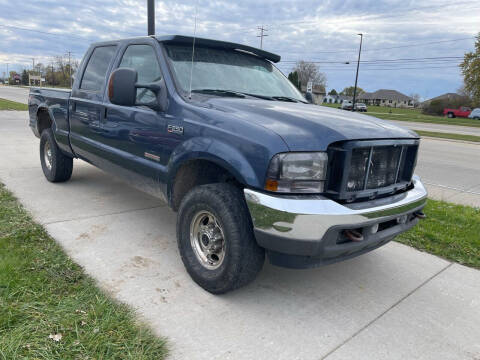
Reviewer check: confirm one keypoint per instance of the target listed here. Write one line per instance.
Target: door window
(143, 59)
(96, 70)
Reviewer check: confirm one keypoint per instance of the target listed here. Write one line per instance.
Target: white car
(360, 107)
(346, 105)
(475, 114)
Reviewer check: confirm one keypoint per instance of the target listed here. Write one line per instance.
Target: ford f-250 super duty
(233, 147)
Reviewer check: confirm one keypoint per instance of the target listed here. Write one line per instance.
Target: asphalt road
(395, 302)
(13, 93)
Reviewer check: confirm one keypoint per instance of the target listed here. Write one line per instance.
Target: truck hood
(306, 127)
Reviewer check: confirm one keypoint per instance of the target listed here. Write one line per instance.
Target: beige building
(384, 97)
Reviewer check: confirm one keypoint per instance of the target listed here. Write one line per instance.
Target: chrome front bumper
(310, 225)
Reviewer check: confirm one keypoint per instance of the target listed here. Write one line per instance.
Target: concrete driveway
(395, 303)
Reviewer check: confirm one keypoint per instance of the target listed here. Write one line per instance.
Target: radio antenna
(193, 49)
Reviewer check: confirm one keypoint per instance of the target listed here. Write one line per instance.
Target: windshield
(233, 70)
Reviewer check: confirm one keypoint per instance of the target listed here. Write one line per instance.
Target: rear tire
(450, 115)
(215, 238)
(56, 166)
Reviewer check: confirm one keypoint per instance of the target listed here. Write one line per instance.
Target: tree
(293, 77)
(471, 72)
(333, 92)
(308, 71)
(435, 107)
(24, 77)
(63, 70)
(348, 91)
(416, 99)
(10, 79)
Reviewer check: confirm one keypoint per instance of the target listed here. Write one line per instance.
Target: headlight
(297, 172)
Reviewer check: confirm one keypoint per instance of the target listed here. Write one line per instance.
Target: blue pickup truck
(230, 144)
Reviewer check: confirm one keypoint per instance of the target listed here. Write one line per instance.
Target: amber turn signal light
(271, 185)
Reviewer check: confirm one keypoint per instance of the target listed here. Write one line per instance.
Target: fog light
(402, 219)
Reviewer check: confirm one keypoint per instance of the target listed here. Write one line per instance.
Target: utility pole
(53, 76)
(356, 76)
(8, 75)
(33, 66)
(151, 17)
(70, 66)
(262, 35)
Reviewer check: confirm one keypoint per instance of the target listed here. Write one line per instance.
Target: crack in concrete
(394, 305)
(100, 215)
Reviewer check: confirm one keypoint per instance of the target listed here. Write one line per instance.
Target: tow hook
(420, 215)
(353, 235)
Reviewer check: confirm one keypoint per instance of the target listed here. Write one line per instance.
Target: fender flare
(202, 148)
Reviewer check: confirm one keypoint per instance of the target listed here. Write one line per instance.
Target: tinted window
(96, 70)
(143, 59)
(222, 69)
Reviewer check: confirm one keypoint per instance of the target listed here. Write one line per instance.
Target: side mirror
(122, 89)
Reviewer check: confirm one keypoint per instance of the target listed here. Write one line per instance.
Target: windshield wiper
(287, 98)
(265, 97)
(233, 93)
(219, 92)
(239, 94)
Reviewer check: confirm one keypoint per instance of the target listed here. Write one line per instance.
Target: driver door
(137, 135)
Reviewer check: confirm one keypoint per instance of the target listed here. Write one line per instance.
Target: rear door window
(96, 70)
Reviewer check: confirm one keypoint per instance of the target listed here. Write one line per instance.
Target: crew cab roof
(181, 39)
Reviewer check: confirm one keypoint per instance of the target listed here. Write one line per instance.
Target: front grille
(370, 169)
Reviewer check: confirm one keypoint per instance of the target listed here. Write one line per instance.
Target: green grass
(43, 293)
(12, 105)
(448, 135)
(450, 231)
(413, 115)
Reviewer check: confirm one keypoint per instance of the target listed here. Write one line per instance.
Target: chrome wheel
(47, 153)
(207, 240)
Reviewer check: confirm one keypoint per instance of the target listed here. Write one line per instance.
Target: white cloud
(297, 29)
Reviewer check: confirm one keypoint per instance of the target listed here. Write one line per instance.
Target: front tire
(216, 240)
(450, 115)
(56, 166)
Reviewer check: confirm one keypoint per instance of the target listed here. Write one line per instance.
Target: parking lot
(367, 307)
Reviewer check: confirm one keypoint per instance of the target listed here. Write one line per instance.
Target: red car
(462, 111)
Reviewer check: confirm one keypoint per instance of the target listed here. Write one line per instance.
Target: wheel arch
(44, 119)
(190, 167)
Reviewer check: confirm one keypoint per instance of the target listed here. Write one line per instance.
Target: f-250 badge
(174, 129)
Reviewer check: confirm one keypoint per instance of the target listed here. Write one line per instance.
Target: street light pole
(356, 76)
(151, 17)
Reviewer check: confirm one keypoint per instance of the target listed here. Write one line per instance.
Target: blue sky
(321, 31)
